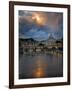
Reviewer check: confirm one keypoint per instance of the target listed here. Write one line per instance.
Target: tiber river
(41, 66)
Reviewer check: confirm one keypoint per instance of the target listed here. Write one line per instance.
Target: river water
(40, 66)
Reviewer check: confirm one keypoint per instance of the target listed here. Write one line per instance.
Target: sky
(39, 25)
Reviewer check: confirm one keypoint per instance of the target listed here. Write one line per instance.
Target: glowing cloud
(38, 18)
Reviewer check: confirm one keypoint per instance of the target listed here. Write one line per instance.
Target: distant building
(51, 40)
(32, 46)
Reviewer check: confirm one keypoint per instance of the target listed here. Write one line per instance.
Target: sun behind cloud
(38, 18)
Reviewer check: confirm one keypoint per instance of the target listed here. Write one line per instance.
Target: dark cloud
(29, 28)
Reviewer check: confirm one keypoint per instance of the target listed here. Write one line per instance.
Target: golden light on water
(39, 72)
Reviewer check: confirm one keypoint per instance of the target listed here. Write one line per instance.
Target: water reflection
(39, 72)
(41, 66)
